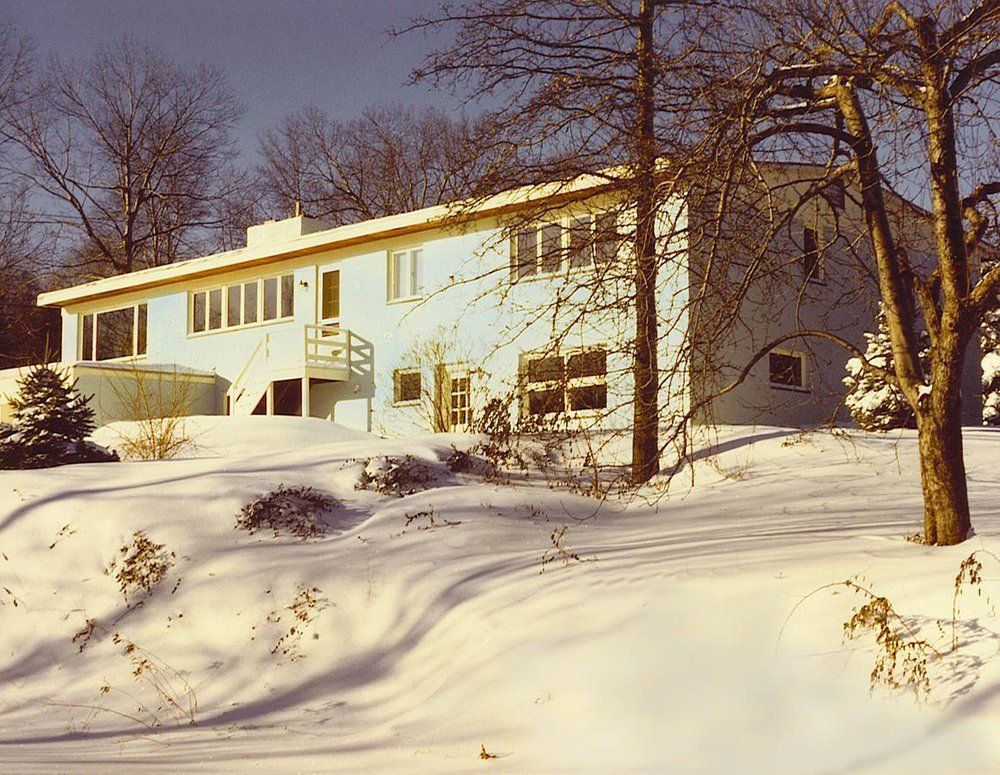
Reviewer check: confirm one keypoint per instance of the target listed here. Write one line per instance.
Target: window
(461, 407)
(574, 382)
(835, 194)
(330, 298)
(812, 257)
(272, 298)
(405, 274)
(786, 370)
(117, 333)
(405, 386)
(577, 243)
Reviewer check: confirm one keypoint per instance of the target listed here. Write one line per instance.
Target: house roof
(328, 239)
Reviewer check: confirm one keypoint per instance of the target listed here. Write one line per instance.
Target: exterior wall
(470, 308)
(781, 300)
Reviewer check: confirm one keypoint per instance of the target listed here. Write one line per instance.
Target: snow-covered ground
(679, 641)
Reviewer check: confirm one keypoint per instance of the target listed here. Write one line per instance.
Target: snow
(682, 639)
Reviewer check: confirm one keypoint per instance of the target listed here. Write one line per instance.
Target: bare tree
(897, 96)
(580, 88)
(130, 151)
(392, 159)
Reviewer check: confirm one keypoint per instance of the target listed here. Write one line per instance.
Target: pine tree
(876, 405)
(51, 421)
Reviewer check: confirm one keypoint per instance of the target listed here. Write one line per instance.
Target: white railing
(328, 347)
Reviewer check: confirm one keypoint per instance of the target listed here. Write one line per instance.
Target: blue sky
(278, 54)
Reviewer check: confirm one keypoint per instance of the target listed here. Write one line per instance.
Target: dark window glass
(587, 397)
(835, 195)
(233, 293)
(250, 302)
(270, 298)
(551, 258)
(606, 238)
(545, 401)
(407, 386)
(198, 312)
(545, 369)
(114, 333)
(581, 246)
(810, 254)
(141, 315)
(287, 295)
(785, 369)
(87, 343)
(215, 309)
(525, 252)
(592, 363)
(331, 295)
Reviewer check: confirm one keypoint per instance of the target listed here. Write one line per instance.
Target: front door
(329, 297)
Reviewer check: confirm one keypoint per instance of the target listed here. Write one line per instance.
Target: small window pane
(198, 312)
(785, 369)
(592, 363)
(270, 298)
(551, 259)
(545, 369)
(398, 274)
(287, 295)
(114, 333)
(250, 302)
(233, 305)
(810, 254)
(87, 343)
(141, 315)
(416, 282)
(606, 238)
(545, 401)
(215, 309)
(588, 397)
(526, 248)
(581, 247)
(407, 386)
(331, 295)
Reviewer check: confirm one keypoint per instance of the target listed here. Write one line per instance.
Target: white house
(362, 323)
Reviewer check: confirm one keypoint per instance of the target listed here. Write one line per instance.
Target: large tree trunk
(942, 476)
(645, 371)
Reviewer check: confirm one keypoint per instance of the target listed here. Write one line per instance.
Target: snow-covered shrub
(991, 388)
(297, 511)
(394, 476)
(142, 565)
(51, 423)
(875, 405)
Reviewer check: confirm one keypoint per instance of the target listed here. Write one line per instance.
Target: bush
(876, 405)
(297, 511)
(51, 423)
(394, 476)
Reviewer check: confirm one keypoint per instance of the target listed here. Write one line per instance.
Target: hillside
(666, 636)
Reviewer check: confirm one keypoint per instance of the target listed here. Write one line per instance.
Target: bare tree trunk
(942, 477)
(645, 432)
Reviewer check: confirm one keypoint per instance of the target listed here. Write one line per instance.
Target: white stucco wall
(480, 318)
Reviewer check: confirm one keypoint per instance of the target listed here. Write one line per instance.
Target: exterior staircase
(323, 353)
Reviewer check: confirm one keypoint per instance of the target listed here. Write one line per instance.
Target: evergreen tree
(51, 421)
(875, 404)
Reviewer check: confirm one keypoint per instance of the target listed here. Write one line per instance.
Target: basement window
(786, 370)
(406, 386)
(574, 381)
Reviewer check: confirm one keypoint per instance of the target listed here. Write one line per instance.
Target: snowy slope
(422, 645)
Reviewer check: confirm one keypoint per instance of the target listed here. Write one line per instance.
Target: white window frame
(565, 224)
(414, 271)
(92, 355)
(395, 387)
(224, 290)
(803, 365)
(566, 384)
(457, 373)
